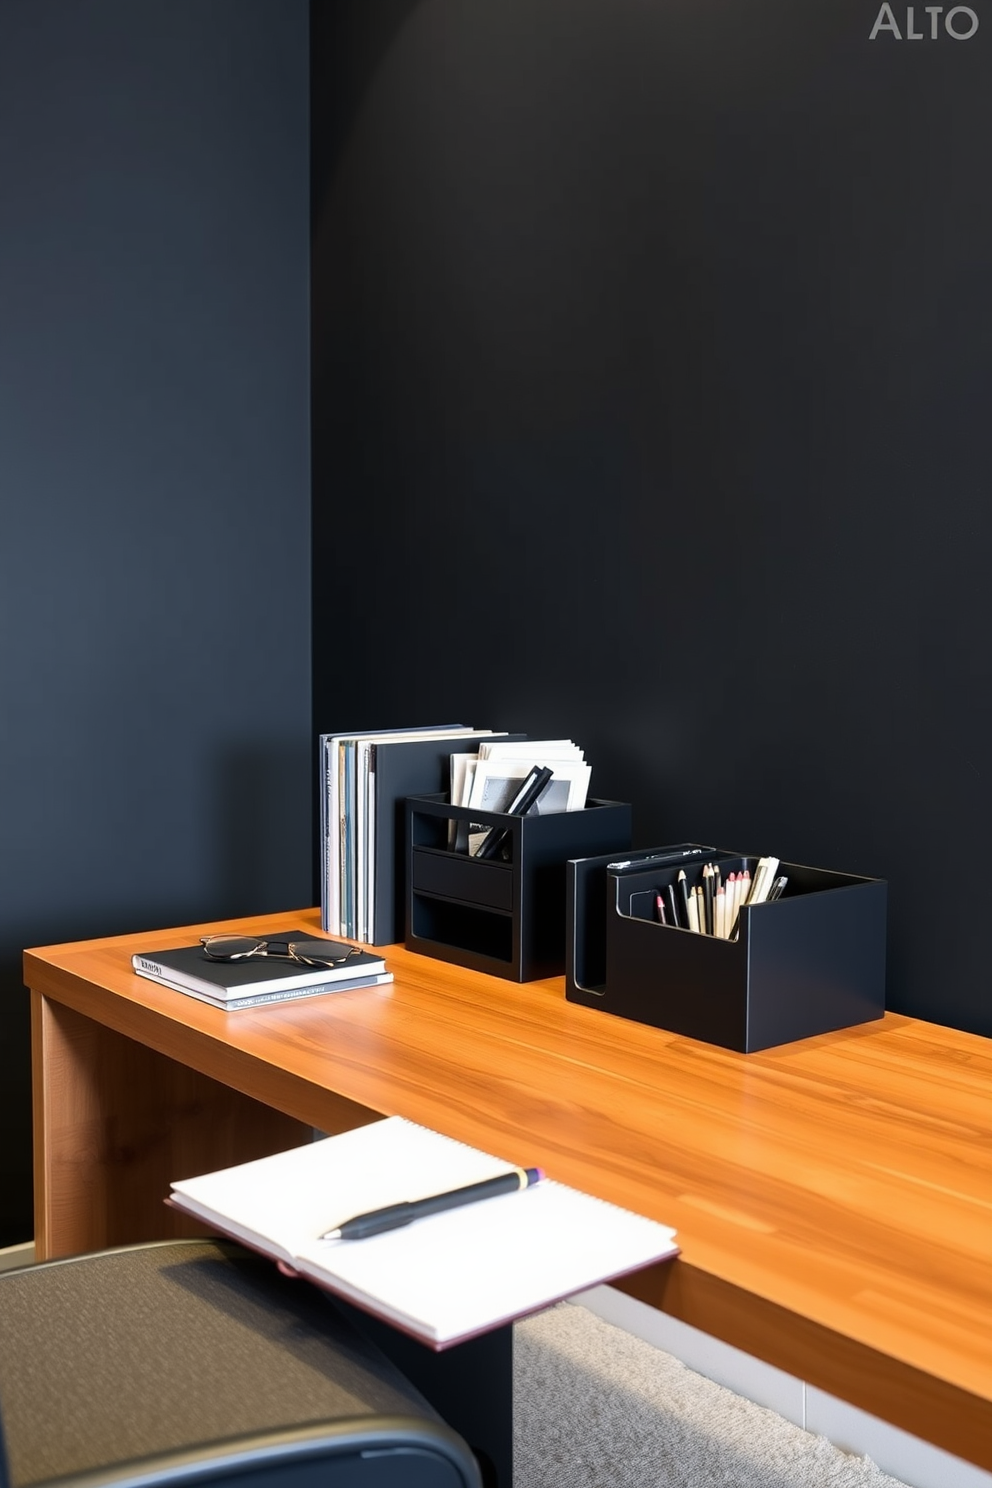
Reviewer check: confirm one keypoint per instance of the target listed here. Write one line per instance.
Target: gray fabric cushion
(123, 1354)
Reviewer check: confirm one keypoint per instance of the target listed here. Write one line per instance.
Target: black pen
(529, 793)
(665, 857)
(531, 790)
(394, 1216)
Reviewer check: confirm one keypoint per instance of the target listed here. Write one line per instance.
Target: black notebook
(188, 968)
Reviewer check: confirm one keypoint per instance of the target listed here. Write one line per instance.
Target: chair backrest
(196, 1362)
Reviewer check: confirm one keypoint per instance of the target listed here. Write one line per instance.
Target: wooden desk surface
(833, 1197)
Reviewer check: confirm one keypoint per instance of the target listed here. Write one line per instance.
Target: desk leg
(469, 1385)
(115, 1123)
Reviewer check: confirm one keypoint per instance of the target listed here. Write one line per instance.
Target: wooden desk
(833, 1197)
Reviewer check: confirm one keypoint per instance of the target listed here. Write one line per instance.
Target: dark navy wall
(154, 481)
(652, 342)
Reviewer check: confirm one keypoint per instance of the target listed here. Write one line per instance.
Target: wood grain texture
(833, 1197)
(116, 1122)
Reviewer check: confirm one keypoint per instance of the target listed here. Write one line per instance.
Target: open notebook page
(442, 1278)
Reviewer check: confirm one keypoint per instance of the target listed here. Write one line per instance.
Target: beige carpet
(595, 1407)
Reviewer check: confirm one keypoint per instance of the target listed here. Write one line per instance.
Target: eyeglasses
(306, 952)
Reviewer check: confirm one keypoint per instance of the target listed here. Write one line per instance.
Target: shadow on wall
(232, 835)
(264, 829)
(342, 69)
(250, 853)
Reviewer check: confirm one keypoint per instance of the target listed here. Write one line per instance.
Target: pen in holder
(495, 844)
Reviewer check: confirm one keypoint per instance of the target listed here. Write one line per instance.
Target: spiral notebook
(446, 1277)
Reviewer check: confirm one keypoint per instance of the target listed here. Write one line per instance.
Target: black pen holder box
(503, 915)
(807, 963)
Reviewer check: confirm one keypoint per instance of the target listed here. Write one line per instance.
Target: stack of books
(365, 778)
(256, 980)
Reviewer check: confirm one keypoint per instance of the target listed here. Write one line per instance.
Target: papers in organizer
(492, 779)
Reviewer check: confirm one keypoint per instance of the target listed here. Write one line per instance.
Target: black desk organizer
(807, 963)
(505, 918)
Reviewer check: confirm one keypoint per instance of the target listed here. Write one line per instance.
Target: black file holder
(503, 917)
(810, 962)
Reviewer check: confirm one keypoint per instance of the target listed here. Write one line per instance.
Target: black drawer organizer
(804, 964)
(503, 917)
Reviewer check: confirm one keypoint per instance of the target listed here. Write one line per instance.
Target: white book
(291, 994)
(462, 767)
(368, 933)
(443, 1278)
(462, 773)
(362, 854)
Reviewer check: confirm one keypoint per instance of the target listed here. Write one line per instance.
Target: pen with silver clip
(394, 1216)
